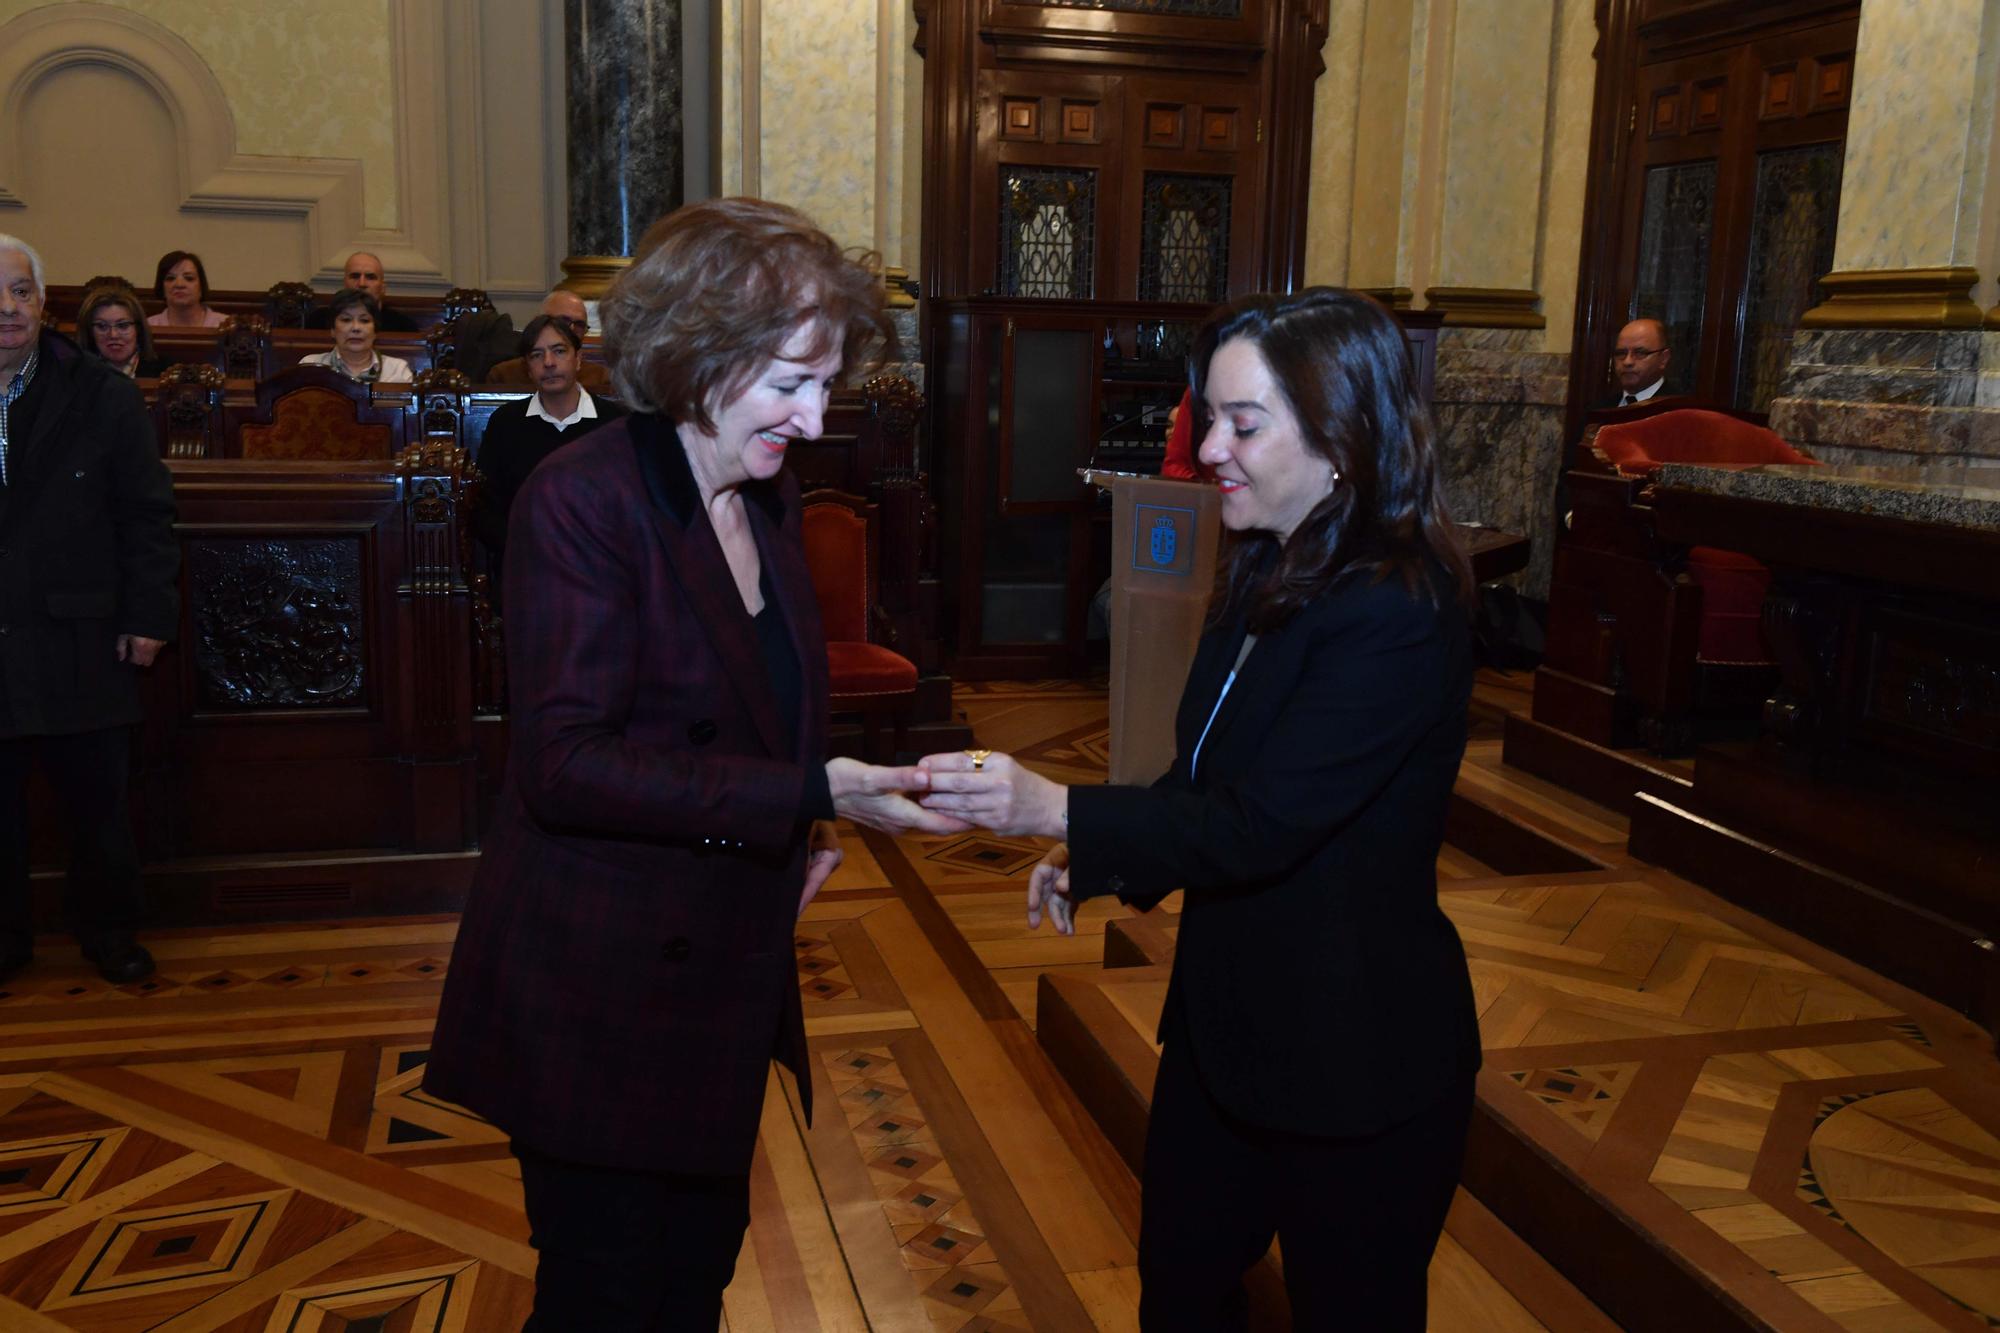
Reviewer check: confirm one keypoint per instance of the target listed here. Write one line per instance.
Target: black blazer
(1322, 989)
(87, 548)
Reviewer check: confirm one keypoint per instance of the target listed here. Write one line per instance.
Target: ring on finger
(978, 758)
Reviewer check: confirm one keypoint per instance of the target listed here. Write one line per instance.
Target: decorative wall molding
(325, 193)
(444, 234)
(1902, 298)
(1487, 307)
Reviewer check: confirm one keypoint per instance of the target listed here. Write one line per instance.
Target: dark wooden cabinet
(1089, 168)
(1028, 393)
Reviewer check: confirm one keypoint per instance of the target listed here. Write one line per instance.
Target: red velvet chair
(864, 676)
(1667, 631)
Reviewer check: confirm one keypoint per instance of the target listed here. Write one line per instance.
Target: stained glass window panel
(1791, 249)
(1675, 227)
(1184, 238)
(1048, 232)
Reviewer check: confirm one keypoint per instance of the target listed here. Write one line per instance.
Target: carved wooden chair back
(312, 412)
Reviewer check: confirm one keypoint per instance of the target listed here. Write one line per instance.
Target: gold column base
(893, 278)
(1897, 298)
(589, 276)
(1487, 307)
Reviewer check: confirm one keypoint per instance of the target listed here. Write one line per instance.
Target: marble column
(1893, 367)
(623, 59)
(1474, 228)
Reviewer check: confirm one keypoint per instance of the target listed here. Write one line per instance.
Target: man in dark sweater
(523, 433)
(88, 575)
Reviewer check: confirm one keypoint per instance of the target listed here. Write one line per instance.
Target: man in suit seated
(364, 274)
(571, 310)
(1639, 362)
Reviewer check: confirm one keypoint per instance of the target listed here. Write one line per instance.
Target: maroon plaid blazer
(624, 970)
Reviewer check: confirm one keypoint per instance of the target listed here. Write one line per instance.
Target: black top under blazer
(1321, 987)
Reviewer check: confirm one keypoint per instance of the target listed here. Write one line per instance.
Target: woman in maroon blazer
(624, 972)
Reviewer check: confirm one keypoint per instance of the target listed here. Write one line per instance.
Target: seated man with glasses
(1639, 362)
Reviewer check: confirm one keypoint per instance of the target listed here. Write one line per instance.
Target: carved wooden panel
(1165, 126)
(1781, 92)
(278, 621)
(315, 423)
(1079, 122)
(1707, 113)
(1665, 116)
(1021, 118)
(1832, 81)
(1218, 128)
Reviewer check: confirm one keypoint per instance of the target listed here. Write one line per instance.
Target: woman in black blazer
(1319, 1032)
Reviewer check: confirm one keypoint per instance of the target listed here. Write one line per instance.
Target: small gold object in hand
(978, 758)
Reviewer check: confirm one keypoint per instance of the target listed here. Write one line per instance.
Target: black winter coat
(87, 549)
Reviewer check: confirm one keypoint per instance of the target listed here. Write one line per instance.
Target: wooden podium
(1164, 535)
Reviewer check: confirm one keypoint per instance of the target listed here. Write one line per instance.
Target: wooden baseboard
(1612, 778)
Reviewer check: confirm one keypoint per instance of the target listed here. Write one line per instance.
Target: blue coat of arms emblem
(1166, 540)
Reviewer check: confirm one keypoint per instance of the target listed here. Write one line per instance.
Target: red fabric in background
(1180, 461)
(1732, 585)
(1691, 435)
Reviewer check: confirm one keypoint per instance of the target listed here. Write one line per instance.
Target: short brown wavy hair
(718, 289)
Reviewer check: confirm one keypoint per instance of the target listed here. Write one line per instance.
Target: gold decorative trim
(589, 276)
(1487, 307)
(1897, 298)
(1396, 298)
(896, 282)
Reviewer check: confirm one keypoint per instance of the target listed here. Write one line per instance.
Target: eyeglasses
(121, 326)
(1635, 353)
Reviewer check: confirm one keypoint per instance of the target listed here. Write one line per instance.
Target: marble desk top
(1959, 497)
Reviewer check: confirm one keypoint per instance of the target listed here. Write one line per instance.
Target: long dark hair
(1339, 359)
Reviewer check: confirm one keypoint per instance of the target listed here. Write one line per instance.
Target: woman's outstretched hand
(878, 797)
(1048, 891)
(992, 790)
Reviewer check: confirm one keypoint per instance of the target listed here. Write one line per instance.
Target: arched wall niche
(464, 75)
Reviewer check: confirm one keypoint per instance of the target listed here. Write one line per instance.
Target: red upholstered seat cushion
(867, 668)
(1690, 435)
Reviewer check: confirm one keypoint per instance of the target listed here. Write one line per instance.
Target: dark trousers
(88, 771)
(630, 1251)
(1356, 1219)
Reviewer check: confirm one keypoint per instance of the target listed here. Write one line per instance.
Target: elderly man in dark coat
(88, 569)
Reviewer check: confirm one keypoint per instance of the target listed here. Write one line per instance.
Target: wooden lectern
(1164, 535)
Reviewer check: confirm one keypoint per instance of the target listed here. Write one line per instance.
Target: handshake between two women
(964, 789)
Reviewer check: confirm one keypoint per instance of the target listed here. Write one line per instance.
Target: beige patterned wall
(303, 77)
(1450, 144)
(1921, 139)
(821, 106)
(276, 136)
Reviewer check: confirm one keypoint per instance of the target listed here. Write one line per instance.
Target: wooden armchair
(1644, 635)
(309, 412)
(864, 676)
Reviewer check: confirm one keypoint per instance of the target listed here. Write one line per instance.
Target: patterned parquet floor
(242, 1143)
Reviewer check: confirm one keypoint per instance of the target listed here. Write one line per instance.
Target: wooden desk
(1867, 813)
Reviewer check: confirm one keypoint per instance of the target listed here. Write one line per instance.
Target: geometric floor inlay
(940, 1241)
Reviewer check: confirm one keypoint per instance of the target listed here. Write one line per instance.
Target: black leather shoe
(120, 959)
(16, 952)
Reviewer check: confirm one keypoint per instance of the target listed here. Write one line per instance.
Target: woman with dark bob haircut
(624, 973)
(1319, 1030)
(112, 323)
